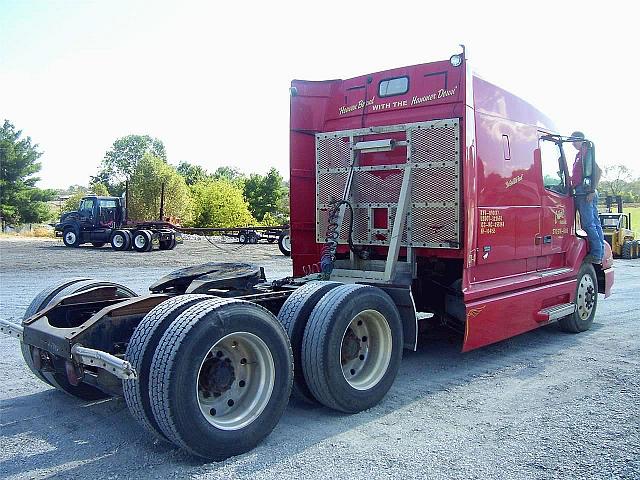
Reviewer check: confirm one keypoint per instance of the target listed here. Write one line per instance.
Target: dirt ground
(542, 405)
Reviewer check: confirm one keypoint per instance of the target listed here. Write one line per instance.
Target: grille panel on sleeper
(431, 149)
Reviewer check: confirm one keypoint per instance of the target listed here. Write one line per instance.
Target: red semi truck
(416, 193)
(487, 221)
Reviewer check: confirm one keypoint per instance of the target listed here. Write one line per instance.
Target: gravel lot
(542, 405)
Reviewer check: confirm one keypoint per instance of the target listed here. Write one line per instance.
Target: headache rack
(398, 200)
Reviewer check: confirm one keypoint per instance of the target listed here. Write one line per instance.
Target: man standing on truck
(586, 199)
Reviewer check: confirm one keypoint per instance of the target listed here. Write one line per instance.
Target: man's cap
(577, 134)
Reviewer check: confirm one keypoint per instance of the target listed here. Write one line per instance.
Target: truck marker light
(456, 60)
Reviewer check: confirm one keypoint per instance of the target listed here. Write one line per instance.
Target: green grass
(635, 219)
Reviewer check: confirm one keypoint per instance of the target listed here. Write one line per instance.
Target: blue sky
(211, 79)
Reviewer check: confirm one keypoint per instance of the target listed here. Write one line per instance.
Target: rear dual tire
(121, 240)
(168, 244)
(352, 347)
(284, 243)
(347, 343)
(140, 351)
(294, 315)
(50, 296)
(248, 237)
(215, 374)
(39, 303)
(142, 240)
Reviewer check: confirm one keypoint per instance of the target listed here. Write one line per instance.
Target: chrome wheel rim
(70, 237)
(118, 241)
(365, 351)
(235, 381)
(286, 243)
(140, 241)
(242, 238)
(586, 297)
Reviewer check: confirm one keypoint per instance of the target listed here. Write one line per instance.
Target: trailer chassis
(87, 332)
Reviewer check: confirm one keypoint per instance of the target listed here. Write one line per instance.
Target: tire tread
(313, 365)
(291, 316)
(136, 392)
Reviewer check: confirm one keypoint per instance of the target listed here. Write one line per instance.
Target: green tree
(71, 189)
(78, 192)
(121, 160)
(99, 189)
(20, 200)
(284, 210)
(192, 173)
(615, 179)
(264, 193)
(229, 173)
(71, 204)
(218, 204)
(270, 220)
(145, 190)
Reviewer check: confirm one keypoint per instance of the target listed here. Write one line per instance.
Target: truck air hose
(328, 254)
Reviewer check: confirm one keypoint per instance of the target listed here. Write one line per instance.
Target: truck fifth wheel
(423, 192)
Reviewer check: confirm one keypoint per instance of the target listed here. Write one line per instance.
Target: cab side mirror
(590, 174)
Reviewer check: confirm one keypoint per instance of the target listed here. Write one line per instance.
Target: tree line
(618, 180)
(193, 196)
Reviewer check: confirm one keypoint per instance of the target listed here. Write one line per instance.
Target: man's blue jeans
(590, 222)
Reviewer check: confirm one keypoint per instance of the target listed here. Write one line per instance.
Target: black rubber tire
(59, 380)
(281, 244)
(294, 315)
(322, 342)
(98, 244)
(573, 323)
(627, 252)
(253, 238)
(140, 351)
(175, 367)
(130, 237)
(636, 249)
(168, 244)
(40, 302)
(147, 240)
(243, 238)
(122, 235)
(66, 237)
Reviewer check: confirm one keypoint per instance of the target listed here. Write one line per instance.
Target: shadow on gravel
(62, 434)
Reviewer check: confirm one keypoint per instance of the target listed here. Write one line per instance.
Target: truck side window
(393, 86)
(107, 203)
(86, 207)
(553, 176)
(107, 212)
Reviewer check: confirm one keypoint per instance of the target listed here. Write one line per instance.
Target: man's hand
(590, 197)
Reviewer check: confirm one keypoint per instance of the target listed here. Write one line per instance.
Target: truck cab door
(557, 222)
(87, 215)
(105, 220)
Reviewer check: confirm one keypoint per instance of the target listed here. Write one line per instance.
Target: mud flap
(403, 299)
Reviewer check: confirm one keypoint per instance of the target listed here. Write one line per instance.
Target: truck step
(556, 312)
